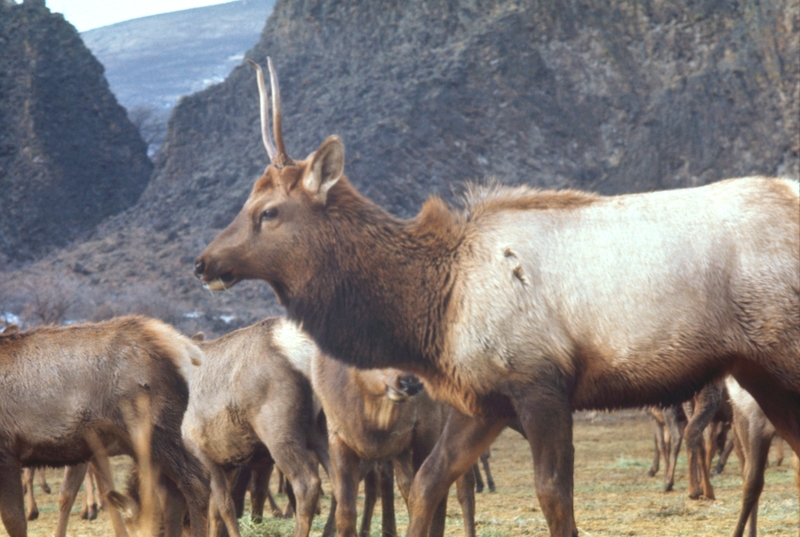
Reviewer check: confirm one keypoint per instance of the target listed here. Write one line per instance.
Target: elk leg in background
(706, 403)
(675, 421)
(32, 512)
(259, 489)
(90, 505)
(461, 443)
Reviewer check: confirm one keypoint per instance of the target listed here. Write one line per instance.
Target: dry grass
(613, 495)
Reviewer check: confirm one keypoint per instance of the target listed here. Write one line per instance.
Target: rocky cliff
(607, 96)
(69, 157)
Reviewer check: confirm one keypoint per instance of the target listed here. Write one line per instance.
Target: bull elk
(90, 382)
(530, 303)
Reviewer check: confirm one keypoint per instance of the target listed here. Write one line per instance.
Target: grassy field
(613, 495)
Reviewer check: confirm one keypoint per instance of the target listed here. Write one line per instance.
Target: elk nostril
(199, 268)
(410, 384)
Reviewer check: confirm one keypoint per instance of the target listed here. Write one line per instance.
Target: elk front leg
(73, 476)
(546, 416)
(344, 480)
(462, 441)
(465, 491)
(12, 506)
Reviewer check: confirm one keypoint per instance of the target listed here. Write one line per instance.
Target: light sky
(90, 14)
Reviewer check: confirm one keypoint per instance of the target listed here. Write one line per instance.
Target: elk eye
(269, 214)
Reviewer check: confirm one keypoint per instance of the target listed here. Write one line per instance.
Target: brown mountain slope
(614, 97)
(69, 156)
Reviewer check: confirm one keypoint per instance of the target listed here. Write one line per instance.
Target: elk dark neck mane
(383, 286)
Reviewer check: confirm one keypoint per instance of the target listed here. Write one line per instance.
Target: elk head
(382, 390)
(269, 238)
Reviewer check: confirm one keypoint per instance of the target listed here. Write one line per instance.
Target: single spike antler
(277, 156)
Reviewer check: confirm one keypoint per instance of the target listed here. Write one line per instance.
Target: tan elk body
(253, 394)
(62, 387)
(532, 303)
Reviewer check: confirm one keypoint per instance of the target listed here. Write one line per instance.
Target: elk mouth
(221, 283)
(396, 395)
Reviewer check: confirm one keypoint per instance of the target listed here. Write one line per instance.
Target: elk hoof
(478, 488)
(46, 489)
(33, 514)
(89, 513)
(492, 489)
(695, 495)
(651, 472)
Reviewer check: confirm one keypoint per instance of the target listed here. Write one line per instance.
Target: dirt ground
(613, 495)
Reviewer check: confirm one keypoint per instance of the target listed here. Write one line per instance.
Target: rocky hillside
(69, 157)
(612, 97)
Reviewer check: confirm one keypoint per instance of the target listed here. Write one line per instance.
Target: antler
(278, 156)
(264, 105)
(282, 159)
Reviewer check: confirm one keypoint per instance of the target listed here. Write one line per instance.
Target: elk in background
(530, 303)
(90, 381)
(484, 459)
(252, 399)
(27, 480)
(755, 432)
(708, 411)
(376, 415)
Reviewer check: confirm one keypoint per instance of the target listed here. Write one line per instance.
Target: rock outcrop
(69, 156)
(606, 96)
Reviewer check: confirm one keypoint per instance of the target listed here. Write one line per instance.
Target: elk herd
(408, 346)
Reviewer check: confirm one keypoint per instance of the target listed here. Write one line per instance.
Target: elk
(251, 399)
(529, 303)
(89, 381)
(27, 478)
(690, 419)
(755, 432)
(484, 458)
(374, 415)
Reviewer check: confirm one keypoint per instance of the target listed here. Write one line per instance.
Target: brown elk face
(394, 384)
(269, 238)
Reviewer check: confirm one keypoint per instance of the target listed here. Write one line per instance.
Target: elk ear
(327, 164)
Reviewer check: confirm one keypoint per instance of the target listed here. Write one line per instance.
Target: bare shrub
(140, 299)
(39, 299)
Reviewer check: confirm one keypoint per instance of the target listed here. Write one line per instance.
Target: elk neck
(381, 295)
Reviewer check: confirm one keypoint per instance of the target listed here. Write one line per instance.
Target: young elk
(252, 394)
(755, 432)
(530, 303)
(374, 415)
(89, 380)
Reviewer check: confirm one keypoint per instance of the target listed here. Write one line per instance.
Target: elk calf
(61, 388)
(374, 415)
(252, 394)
